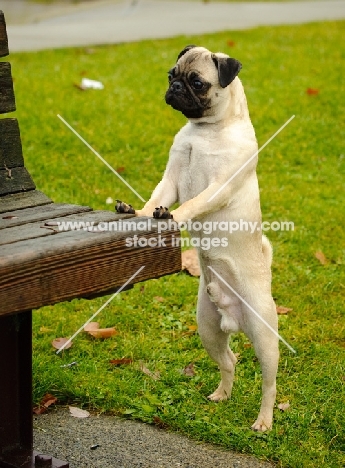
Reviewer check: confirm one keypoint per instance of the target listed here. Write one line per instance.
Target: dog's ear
(228, 68)
(186, 49)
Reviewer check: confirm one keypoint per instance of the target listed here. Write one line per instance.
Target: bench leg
(16, 422)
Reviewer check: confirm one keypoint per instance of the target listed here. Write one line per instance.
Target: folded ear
(228, 69)
(186, 49)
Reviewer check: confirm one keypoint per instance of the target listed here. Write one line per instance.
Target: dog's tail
(267, 250)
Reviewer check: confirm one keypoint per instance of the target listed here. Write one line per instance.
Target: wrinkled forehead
(196, 62)
(197, 58)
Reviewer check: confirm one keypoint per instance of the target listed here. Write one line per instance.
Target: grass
(301, 175)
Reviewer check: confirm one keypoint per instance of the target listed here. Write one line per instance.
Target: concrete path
(127, 444)
(113, 21)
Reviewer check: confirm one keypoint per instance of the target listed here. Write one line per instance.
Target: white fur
(205, 154)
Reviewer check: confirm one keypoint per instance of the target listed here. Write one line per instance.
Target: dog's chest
(197, 167)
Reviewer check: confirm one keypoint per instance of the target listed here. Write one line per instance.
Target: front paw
(122, 207)
(162, 213)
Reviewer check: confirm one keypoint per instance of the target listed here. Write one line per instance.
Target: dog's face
(198, 81)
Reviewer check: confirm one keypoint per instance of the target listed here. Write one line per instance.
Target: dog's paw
(162, 213)
(122, 207)
(219, 395)
(261, 426)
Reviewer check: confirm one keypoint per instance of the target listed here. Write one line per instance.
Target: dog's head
(198, 80)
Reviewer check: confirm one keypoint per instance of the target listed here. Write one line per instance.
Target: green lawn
(301, 174)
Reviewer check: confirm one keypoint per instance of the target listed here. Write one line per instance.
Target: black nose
(177, 85)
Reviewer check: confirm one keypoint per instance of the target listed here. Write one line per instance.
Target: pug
(211, 172)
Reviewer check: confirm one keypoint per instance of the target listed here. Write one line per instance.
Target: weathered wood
(41, 229)
(74, 264)
(15, 180)
(7, 99)
(11, 154)
(39, 213)
(3, 36)
(21, 200)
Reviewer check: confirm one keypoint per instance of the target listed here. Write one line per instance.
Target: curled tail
(267, 250)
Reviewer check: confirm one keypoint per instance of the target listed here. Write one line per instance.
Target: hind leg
(216, 343)
(265, 344)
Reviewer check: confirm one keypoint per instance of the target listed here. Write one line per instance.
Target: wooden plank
(77, 263)
(41, 229)
(7, 99)
(11, 153)
(15, 180)
(3, 36)
(37, 213)
(21, 200)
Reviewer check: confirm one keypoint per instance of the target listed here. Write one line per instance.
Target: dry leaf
(120, 169)
(59, 342)
(79, 86)
(190, 262)
(46, 401)
(284, 406)
(312, 91)
(91, 326)
(103, 332)
(321, 257)
(189, 370)
(78, 413)
(230, 43)
(159, 299)
(153, 375)
(281, 310)
(159, 423)
(121, 362)
(192, 327)
(247, 345)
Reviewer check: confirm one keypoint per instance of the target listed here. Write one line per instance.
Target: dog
(211, 172)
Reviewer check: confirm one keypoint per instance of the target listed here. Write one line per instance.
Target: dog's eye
(170, 76)
(197, 84)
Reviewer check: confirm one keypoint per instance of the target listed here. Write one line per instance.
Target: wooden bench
(40, 265)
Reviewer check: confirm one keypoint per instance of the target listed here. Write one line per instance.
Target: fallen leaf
(79, 86)
(192, 327)
(281, 310)
(159, 299)
(78, 413)
(103, 332)
(91, 326)
(120, 169)
(189, 370)
(230, 43)
(247, 345)
(59, 342)
(153, 375)
(321, 257)
(190, 262)
(157, 421)
(284, 406)
(312, 91)
(46, 401)
(121, 362)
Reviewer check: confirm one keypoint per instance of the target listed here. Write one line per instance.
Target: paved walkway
(113, 21)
